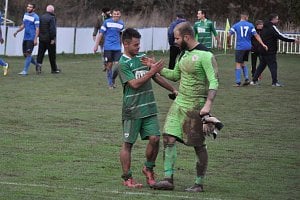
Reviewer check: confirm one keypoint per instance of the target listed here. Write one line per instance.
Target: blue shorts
(28, 46)
(111, 55)
(241, 56)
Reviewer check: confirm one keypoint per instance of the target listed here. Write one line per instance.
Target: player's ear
(185, 37)
(125, 42)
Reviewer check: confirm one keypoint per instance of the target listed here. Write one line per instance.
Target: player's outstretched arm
(155, 68)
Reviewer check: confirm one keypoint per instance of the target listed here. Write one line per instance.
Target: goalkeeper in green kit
(196, 70)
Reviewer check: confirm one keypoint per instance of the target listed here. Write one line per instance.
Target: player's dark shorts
(241, 56)
(28, 46)
(112, 56)
(144, 127)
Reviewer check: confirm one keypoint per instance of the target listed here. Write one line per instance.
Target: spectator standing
(255, 46)
(243, 31)
(139, 112)
(204, 28)
(174, 49)
(270, 36)
(100, 19)
(47, 40)
(111, 31)
(31, 22)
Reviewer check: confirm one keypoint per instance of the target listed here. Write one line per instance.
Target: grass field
(61, 136)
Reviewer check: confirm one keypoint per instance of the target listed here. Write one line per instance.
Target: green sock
(127, 176)
(149, 165)
(199, 180)
(170, 158)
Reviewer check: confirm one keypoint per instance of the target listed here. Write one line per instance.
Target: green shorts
(146, 127)
(185, 125)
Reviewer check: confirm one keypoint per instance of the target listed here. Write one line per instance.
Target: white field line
(104, 191)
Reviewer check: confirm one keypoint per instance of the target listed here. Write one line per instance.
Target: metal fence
(79, 41)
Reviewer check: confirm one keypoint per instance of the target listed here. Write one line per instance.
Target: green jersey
(140, 102)
(203, 32)
(197, 74)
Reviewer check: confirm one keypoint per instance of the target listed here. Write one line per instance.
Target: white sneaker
(23, 73)
(253, 83)
(277, 85)
(5, 69)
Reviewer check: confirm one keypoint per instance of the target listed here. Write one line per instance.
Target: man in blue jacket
(174, 49)
(270, 35)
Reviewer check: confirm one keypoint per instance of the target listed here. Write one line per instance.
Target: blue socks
(33, 61)
(238, 76)
(109, 75)
(28, 60)
(238, 73)
(245, 72)
(27, 63)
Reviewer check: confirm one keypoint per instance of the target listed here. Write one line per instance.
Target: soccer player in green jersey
(197, 72)
(204, 28)
(139, 112)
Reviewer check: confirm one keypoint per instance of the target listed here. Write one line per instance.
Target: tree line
(160, 13)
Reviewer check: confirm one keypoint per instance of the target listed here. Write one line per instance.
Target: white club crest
(195, 58)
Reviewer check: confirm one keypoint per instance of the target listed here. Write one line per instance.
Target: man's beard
(183, 46)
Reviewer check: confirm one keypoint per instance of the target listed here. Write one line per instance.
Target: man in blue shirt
(111, 30)
(243, 31)
(31, 24)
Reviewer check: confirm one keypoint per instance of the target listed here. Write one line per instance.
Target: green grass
(61, 136)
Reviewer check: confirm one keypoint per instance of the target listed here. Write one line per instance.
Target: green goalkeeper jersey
(197, 72)
(137, 103)
(203, 32)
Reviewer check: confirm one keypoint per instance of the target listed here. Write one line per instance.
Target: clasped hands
(152, 64)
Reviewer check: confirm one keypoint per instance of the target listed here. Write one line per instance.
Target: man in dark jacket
(47, 40)
(259, 24)
(100, 19)
(174, 49)
(270, 35)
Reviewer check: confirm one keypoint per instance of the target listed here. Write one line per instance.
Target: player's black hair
(130, 33)
(203, 11)
(257, 22)
(180, 15)
(272, 16)
(105, 9)
(116, 9)
(245, 13)
(33, 5)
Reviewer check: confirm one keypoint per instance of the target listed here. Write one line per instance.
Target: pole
(5, 12)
